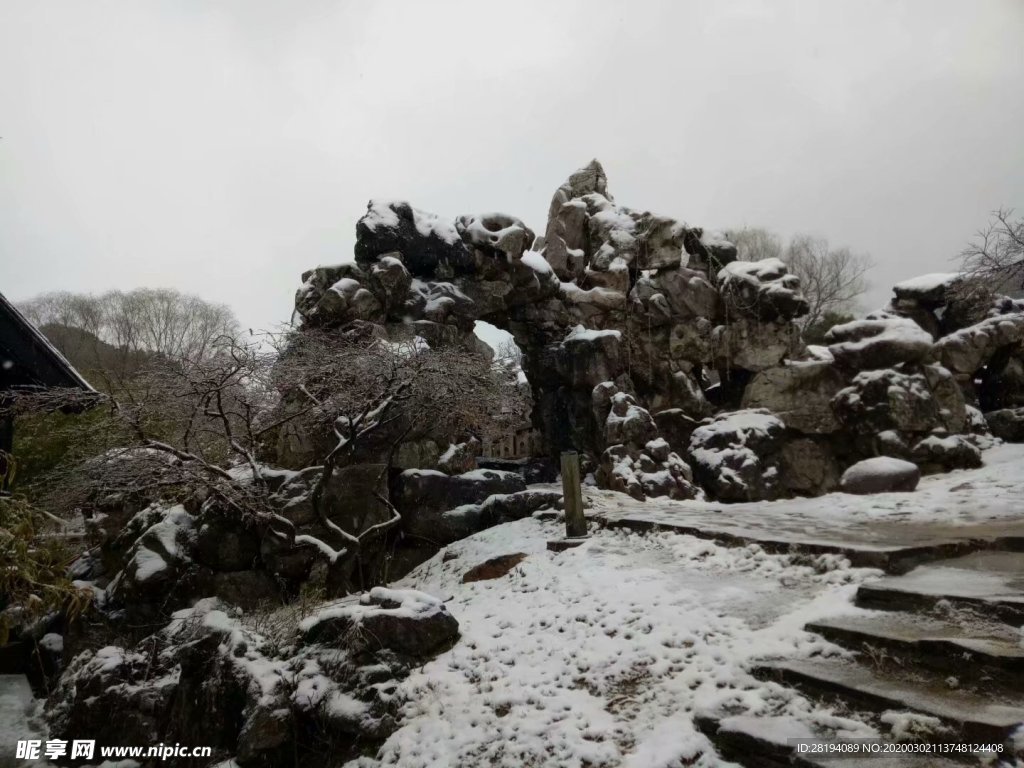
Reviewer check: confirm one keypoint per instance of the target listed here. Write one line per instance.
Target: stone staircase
(943, 640)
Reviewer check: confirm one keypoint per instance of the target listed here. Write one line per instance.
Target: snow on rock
(913, 726)
(968, 349)
(880, 474)
(989, 495)
(158, 556)
(765, 290)
(579, 333)
(942, 453)
(496, 231)
(735, 455)
(402, 620)
(637, 461)
(889, 399)
(880, 343)
(429, 244)
(457, 458)
(819, 353)
(628, 422)
(537, 262)
(208, 677)
(929, 290)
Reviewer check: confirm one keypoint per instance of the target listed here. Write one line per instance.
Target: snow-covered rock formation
(609, 297)
(621, 312)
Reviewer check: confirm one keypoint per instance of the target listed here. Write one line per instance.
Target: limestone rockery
(674, 368)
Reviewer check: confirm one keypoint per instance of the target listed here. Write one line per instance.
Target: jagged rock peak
(589, 179)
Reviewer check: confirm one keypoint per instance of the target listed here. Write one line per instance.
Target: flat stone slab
(763, 741)
(975, 716)
(948, 515)
(891, 546)
(933, 642)
(989, 582)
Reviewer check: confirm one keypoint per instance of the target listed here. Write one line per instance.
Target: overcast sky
(223, 148)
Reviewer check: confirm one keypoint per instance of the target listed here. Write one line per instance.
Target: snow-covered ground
(19, 718)
(602, 655)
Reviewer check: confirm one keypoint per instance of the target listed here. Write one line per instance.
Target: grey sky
(222, 148)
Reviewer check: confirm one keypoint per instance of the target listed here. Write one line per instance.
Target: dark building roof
(28, 359)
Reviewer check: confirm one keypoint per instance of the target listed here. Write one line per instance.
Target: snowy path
(602, 655)
(983, 503)
(599, 656)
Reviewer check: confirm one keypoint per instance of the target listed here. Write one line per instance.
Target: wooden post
(572, 496)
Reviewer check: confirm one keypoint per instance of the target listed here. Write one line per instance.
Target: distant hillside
(94, 358)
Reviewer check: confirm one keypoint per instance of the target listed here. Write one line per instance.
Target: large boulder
(628, 422)
(941, 453)
(735, 456)
(199, 679)
(764, 290)
(1007, 424)
(948, 396)
(881, 474)
(588, 357)
(440, 528)
(430, 245)
(653, 470)
(753, 345)
(968, 349)
(931, 291)
(405, 621)
(159, 567)
(879, 343)
(444, 508)
(423, 491)
(334, 295)
(892, 399)
(674, 294)
(209, 678)
(799, 393)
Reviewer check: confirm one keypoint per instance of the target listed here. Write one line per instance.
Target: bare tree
(509, 352)
(755, 243)
(179, 425)
(831, 279)
(189, 425)
(110, 336)
(993, 261)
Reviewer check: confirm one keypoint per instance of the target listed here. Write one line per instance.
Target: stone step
(989, 583)
(762, 742)
(972, 717)
(891, 559)
(988, 655)
(892, 547)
